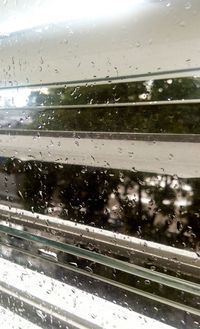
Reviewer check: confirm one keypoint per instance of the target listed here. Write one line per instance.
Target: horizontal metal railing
(134, 249)
(153, 276)
(103, 105)
(148, 137)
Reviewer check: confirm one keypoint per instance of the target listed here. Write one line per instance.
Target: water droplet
(89, 269)
(169, 81)
(41, 315)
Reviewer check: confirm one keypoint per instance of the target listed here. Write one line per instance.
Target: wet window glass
(99, 164)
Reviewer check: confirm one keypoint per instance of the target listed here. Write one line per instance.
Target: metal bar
(104, 105)
(116, 284)
(132, 269)
(149, 137)
(187, 72)
(118, 242)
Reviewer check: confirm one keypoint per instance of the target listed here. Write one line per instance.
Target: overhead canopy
(45, 42)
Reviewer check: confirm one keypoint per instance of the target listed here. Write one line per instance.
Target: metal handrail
(130, 247)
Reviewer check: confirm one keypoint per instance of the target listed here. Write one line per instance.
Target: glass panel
(99, 164)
